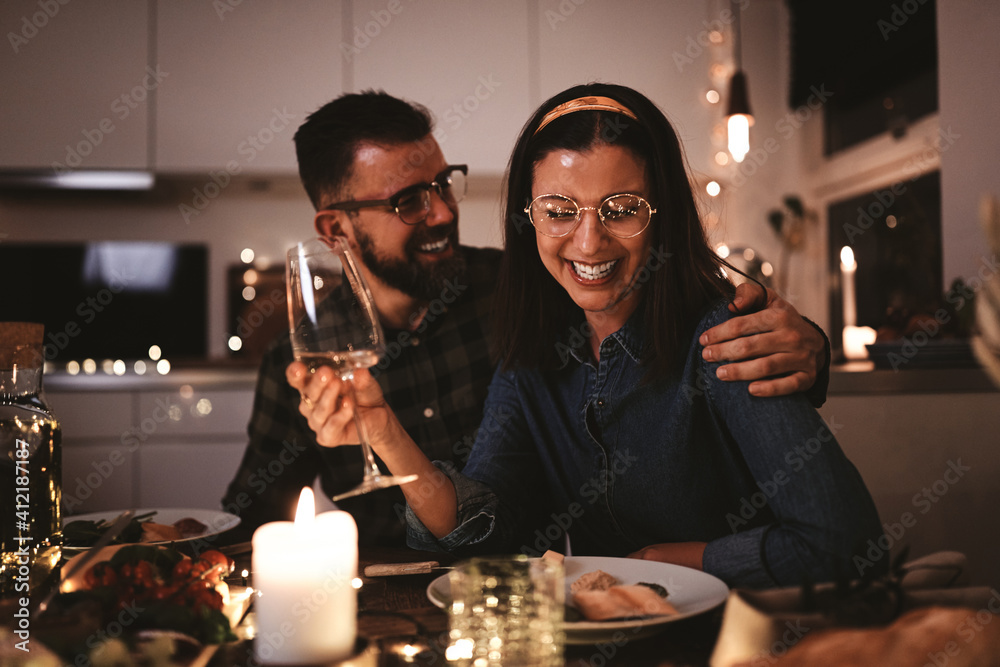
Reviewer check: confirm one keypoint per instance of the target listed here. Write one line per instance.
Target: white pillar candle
(855, 340)
(848, 267)
(304, 572)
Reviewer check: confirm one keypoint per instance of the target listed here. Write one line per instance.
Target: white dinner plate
(216, 522)
(690, 591)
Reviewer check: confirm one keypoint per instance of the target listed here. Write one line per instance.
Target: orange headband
(585, 104)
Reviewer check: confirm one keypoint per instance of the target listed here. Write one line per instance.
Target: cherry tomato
(220, 560)
(102, 574)
(182, 570)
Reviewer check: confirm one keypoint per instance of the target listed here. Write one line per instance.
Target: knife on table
(394, 569)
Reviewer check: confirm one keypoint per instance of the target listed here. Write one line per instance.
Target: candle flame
(306, 511)
(847, 257)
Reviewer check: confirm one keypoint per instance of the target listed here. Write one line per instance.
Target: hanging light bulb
(738, 116)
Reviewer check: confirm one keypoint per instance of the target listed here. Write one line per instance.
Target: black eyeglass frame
(596, 209)
(393, 201)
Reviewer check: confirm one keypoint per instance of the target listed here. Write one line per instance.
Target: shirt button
(600, 403)
(428, 412)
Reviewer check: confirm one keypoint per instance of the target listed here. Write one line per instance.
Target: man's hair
(326, 143)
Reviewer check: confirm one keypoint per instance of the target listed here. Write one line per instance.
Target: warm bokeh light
(235, 343)
(713, 96)
(722, 250)
(713, 189)
(738, 127)
(250, 276)
(247, 255)
(155, 352)
(249, 293)
(722, 158)
(119, 367)
(162, 366)
(847, 258)
(749, 254)
(73, 367)
(139, 367)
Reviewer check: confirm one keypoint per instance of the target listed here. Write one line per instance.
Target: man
(375, 174)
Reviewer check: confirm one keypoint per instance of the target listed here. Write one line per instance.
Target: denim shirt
(622, 465)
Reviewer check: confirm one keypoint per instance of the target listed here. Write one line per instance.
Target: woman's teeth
(594, 271)
(434, 247)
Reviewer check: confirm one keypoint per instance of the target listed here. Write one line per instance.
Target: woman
(603, 419)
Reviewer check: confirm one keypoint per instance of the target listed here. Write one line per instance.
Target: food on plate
(142, 588)
(141, 529)
(553, 556)
(621, 602)
(598, 580)
(599, 596)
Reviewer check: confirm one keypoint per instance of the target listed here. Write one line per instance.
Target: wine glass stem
(371, 470)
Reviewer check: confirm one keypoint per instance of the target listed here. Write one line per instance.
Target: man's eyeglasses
(624, 215)
(413, 204)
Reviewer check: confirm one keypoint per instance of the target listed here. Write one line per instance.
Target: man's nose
(440, 212)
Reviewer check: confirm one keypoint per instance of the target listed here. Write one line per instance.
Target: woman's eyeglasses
(624, 215)
(413, 204)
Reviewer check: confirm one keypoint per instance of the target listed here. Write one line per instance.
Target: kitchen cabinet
(242, 78)
(468, 62)
(172, 441)
(76, 84)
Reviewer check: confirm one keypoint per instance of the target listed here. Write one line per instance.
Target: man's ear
(332, 223)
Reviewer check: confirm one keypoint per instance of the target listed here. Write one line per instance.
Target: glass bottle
(30, 466)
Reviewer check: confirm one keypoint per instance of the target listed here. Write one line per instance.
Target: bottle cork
(21, 344)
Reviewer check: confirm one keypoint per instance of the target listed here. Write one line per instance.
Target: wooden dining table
(396, 619)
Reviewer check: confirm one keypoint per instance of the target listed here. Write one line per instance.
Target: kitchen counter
(861, 377)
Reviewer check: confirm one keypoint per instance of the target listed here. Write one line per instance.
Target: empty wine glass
(333, 323)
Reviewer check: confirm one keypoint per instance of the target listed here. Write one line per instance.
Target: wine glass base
(374, 484)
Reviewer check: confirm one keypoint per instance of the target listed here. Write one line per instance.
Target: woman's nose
(590, 234)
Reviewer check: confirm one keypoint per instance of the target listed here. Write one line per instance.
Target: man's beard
(409, 275)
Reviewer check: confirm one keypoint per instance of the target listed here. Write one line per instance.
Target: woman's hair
(533, 313)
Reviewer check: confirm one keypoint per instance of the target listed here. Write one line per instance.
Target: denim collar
(629, 338)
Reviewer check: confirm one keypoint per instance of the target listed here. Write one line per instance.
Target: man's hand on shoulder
(770, 344)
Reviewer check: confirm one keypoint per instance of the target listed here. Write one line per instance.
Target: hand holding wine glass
(333, 322)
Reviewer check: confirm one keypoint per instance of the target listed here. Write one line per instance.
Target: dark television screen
(109, 299)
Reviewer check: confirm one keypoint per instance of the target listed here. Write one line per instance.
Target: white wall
(968, 56)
